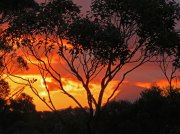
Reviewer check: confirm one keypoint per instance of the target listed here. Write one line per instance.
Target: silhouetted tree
(170, 71)
(9, 9)
(99, 46)
(3, 105)
(55, 15)
(23, 104)
(4, 89)
(158, 112)
(4, 93)
(9, 59)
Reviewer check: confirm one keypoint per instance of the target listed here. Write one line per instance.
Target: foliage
(9, 9)
(104, 42)
(154, 21)
(8, 56)
(151, 113)
(4, 89)
(23, 103)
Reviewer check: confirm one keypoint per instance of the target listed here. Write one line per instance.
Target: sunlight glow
(160, 83)
(43, 94)
(73, 87)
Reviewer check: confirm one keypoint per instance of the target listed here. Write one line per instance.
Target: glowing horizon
(75, 88)
(137, 80)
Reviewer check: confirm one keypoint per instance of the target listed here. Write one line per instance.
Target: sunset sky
(141, 78)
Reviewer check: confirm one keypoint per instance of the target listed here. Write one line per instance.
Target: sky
(136, 81)
(85, 4)
(143, 77)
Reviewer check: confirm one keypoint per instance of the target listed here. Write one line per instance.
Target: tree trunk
(93, 123)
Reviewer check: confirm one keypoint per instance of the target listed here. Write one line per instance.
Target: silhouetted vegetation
(153, 113)
(114, 38)
(14, 110)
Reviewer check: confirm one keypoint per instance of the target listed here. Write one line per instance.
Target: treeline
(14, 101)
(155, 112)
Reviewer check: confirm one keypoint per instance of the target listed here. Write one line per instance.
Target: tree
(42, 20)
(4, 93)
(170, 71)
(23, 104)
(116, 33)
(9, 58)
(101, 45)
(4, 89)
(9, 9)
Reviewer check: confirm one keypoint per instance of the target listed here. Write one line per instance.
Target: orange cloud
(161, 83)
(144, 84)
(73, 87)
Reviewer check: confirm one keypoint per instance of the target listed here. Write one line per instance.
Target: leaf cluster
(155, 21)
(104, 42)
